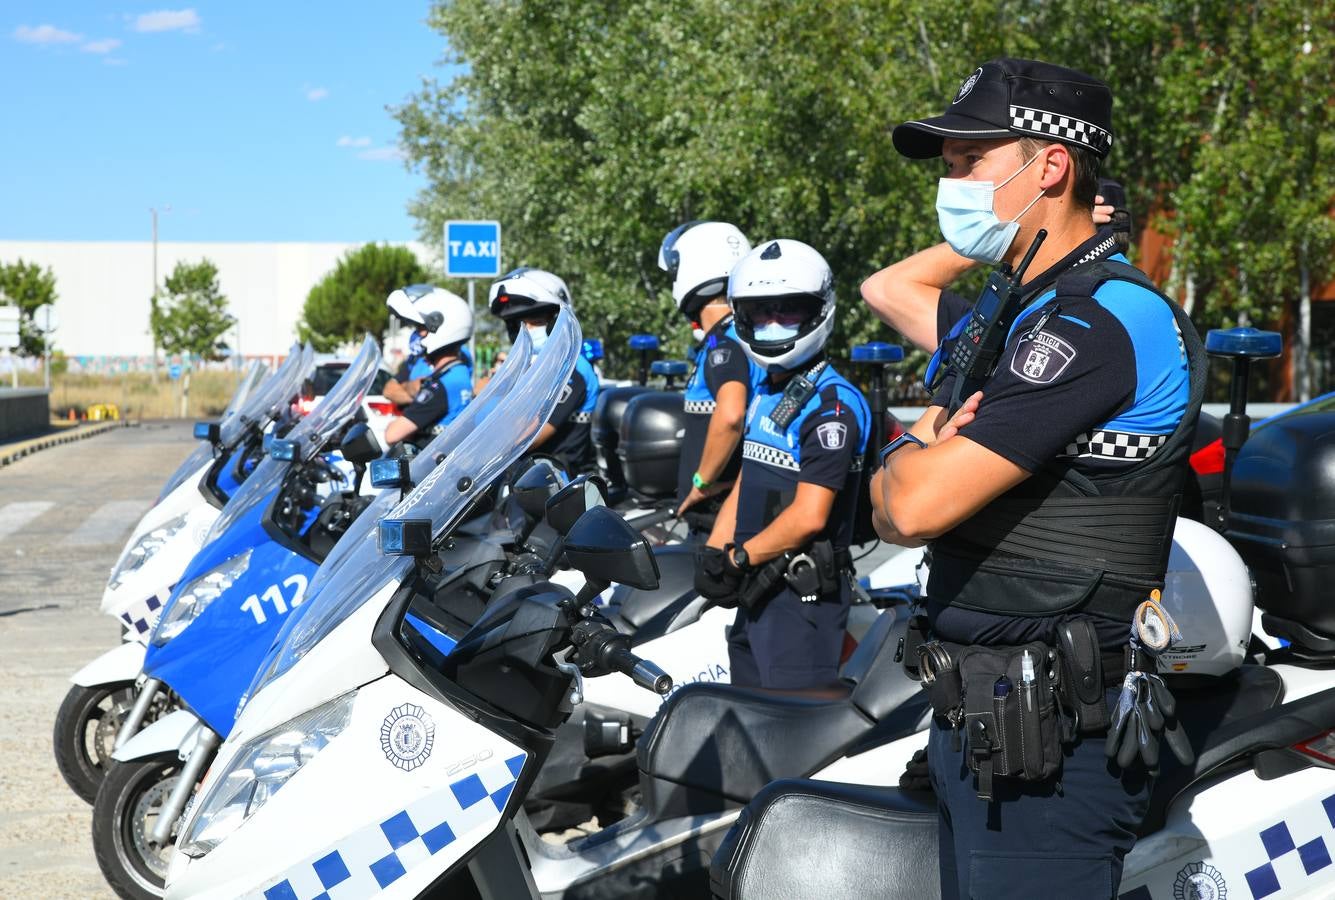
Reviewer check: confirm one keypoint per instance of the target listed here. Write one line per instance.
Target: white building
(104, 289)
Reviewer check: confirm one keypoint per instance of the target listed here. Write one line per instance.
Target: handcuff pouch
(1082, 681)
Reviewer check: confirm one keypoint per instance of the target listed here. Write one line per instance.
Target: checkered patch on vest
(769, 456)
(1115, 445)
(1042, 358)
(700, 407)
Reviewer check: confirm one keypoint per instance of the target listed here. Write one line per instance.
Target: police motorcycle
(230, 602)
(355, 683)
(157, 552)
(1251, 813)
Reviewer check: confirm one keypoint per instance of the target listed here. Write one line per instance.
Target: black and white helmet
(526, 293)
(791, 278)
(699, 256)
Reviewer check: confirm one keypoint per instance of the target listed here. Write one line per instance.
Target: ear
(1056, 163)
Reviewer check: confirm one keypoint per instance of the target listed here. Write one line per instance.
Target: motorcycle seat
(713, 747)
(874, 843)
(634, 611)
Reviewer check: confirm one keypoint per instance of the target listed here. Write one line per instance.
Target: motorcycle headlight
(144, 549)
(258, 771)
(195, 597)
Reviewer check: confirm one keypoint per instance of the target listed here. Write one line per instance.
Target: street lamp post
(153, 210)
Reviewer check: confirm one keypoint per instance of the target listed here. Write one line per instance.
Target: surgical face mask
(538, 335)
(697, 332)
(968, 221)
(415, 344)
(774, 332)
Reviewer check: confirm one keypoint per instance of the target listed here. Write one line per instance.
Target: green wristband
(699, 483)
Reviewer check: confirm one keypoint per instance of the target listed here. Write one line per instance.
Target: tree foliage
(27, 286)
(590, 130)
(350, 301)
(190, 315)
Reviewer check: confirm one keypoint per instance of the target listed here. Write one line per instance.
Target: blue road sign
(472, 249)
(174, 371)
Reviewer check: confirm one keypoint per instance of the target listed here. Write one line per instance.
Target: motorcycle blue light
(405, 537)
(670, 368)
(1246, 342)
(389, 473)
(643, 342)
(207, 431)
(282, 450)
(593, 349)
(877, 352)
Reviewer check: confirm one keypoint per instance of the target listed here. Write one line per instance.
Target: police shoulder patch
(1042, 358)
(832, 435)
(424, 395)
(407, 736)
(720, 356)
(565, 393)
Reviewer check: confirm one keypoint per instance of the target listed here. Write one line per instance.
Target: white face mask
(538, 335)
(968, 221)
(698, 334)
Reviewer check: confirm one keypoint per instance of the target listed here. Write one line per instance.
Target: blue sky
(252, 121)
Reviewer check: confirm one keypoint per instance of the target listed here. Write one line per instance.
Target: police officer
(699, 256)
(446, 387)
(407, 380)
(779, 548)
(1049, 496)
(531, 299)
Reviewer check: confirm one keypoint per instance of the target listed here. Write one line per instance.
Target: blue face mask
(968, 221)
(538, 336)
(415, 345)
(775, 332)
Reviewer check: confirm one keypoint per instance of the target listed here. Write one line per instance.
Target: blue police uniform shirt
(720, 359)
(573, 441)
(442, 397)
(1097, 383)
(825, 444)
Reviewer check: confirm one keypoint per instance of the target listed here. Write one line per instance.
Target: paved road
(64, 515)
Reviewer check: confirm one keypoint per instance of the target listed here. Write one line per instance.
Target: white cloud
(45, 34)
(168, 20)
(317, 94)
(346, 141)
(113, 61)
(382, 154)
(106, 45)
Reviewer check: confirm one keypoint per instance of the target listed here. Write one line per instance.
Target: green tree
(190, 316)
(350, 301)
(28, 286)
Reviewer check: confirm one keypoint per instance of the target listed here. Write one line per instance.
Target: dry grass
(136, 394)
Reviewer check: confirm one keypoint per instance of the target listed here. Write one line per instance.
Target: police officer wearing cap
(1046, 483)
(779, 548)
(530, 299)
(699, 256)
(445, 383)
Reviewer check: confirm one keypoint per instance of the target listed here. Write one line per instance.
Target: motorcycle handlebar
(641, 671)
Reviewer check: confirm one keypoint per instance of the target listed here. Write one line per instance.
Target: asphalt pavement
(64, 515)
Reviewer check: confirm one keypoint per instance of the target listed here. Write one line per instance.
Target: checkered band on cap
(1062, 128)
(1115, 445)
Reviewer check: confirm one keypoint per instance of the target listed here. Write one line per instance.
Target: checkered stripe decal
(1284, 854)
(770, 456)
(700, 407)
(1115, 445)
(582, 417)
(141, 617)
(1063, 128)
(372, 858)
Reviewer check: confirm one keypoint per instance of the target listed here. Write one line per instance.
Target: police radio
(979, 345)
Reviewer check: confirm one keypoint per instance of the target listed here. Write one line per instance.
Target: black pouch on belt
(915, 635)
(762, 583)
(814, 573)
(1082, 682)
(1011, 724)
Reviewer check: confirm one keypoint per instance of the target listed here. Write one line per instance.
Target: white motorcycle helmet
(454, 317)
(1208, 592)
(699, 256)
(527, 293)
(402, 303)
(793, 277)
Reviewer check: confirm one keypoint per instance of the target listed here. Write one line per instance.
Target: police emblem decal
(1199, 881)
(832, 435)
(1042, 359)
(720, 356)
(565, 393)
(968, 85)
(406, 736)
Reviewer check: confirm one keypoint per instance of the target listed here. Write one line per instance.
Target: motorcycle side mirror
(208, 431)
(359, 446)
(605, 548)
(283, 450)
(575, 499)
(539, 483)
(405, 537)
(390, 473)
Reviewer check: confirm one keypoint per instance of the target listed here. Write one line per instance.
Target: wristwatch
(699, 483)
(898, 442)
(739, 557)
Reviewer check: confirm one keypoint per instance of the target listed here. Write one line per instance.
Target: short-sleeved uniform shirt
(1098, 383)
(443, 395)
(573, 441)
(824, 444)
(719, 360)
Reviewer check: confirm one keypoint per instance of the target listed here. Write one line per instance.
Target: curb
(15, 452)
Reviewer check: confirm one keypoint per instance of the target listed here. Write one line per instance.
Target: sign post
(9, 338)
(46, 320)
(472, 251)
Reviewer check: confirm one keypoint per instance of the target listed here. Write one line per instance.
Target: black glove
(717, 578)
(1145, 712)
(916, 776)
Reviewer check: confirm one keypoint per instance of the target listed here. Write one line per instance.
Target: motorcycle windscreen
(229, 423)
(311, 434)
(274, 397)
(514, 410)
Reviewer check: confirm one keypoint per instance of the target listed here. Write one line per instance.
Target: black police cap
(1017, 97)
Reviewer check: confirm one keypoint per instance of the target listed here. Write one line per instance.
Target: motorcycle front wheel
(85, 733)
(124, 815)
